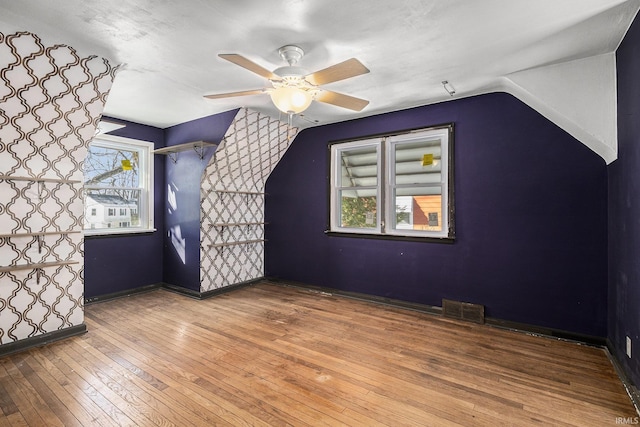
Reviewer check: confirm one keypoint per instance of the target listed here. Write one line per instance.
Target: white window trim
(147, 177)
(386, 210)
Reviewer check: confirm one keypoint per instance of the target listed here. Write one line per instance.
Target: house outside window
(394, 185)
(118, 186)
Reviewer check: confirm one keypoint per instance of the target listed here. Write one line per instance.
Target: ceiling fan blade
(344, 70)
(232, 94)
(341, 100)
(249, 65)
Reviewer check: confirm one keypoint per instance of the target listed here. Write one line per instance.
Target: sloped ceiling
(170, 51)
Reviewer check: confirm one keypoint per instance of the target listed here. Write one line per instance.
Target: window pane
(113, 208)
(418, 208)
(359, 167)
(118, 185)
(418, 162)
(358, 209)
(114, 167)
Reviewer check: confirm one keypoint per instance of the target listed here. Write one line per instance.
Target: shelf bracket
(41, 188)
(199, 151)
(173, 157)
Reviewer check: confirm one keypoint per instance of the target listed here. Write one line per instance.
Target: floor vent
(463, 310)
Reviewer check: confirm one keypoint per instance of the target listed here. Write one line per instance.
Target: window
(118, 181)
(394, 185)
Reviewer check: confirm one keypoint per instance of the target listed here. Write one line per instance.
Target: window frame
(145, 185)
(336, 184)
(385, 228)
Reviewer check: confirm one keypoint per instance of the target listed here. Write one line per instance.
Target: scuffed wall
(232, 195)
(50, 103)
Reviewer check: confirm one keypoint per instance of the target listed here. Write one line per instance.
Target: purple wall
(624, 209)
(531, 220)
(184, 179)
(119, 263)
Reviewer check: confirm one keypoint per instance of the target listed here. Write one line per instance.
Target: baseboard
(425, 308)
(547, 332)
(121, 294)
(208, 294)
(632, 390)
(172, 288)
(182, 291)
(40, 340)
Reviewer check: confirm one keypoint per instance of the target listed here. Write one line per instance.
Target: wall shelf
(240, 242)
(36, 266)
(43, 233)
(254, 193)
(33, 179)
(235, 224)
(173, 150)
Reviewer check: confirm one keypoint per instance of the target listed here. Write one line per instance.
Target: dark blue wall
(184, 178)
(119, 263)
(624, 209)
(531, 220)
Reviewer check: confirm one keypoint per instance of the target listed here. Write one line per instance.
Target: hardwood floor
(271, 355)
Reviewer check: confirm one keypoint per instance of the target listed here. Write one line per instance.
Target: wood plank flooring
(270, 355)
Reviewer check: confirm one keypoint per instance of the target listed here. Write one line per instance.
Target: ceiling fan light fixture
(293, 88)
(291, 99)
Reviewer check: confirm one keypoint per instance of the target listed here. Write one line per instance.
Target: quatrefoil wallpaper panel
(232, 199)
(51, 100)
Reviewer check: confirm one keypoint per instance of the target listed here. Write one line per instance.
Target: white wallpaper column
(51, 100)
(232, 199)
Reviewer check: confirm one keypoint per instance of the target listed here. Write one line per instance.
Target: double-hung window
(118, 186)
(394, 185)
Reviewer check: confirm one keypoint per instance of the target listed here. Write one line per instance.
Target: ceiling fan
(293, 88)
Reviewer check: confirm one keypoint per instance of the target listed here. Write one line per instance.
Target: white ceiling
(170, 48)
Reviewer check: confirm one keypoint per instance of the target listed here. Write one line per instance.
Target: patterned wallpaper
(50, 102)
(232, 199)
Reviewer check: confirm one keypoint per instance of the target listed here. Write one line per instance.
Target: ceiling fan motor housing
(290, 71)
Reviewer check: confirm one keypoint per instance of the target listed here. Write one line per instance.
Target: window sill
(445, 240)
(91, 234)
